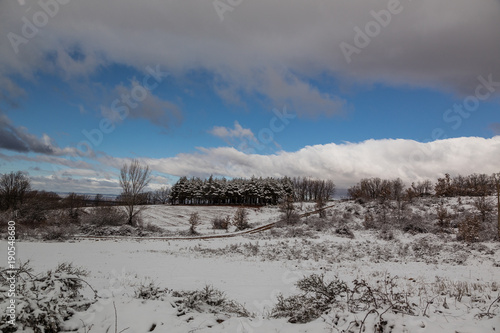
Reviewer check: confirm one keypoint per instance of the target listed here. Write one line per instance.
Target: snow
(255, 279)
(176, 218)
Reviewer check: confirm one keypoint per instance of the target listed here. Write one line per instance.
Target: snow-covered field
(176, 218)
(450, 282)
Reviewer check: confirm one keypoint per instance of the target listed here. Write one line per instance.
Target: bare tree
(496, 178)
(484, 206)
(133, 179)
(13, 187)
(98, 200)
(161, 195)
(74, 203)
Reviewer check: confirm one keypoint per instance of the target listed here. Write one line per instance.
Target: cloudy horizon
(323, 89)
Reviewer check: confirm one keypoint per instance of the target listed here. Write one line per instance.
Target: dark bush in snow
(103, 216)
(221, 223)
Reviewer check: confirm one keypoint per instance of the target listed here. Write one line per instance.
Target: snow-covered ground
(254, 270)
(176, 218)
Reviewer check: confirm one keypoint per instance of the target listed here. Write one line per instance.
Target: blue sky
(262, 89)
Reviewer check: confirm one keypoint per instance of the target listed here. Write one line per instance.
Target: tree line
(253, 191)
(474, 185)
(16, 193)
(237, 191)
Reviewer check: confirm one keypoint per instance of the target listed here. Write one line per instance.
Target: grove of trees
(308, 189)
(212, 191)
(17, 196)
(475, 185)
(253, 191)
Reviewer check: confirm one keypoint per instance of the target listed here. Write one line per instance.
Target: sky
(339, 90)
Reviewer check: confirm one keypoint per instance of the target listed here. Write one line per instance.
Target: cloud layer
(345, 163)
(275, 50)
(18, 139)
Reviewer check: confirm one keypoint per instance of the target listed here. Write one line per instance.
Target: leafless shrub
(150, 228)
(316, 297)
(288, 214)
(297, 232)
(58, 232)
(344, 231)
(484, 207)
(194, 221)
(369, 221)
(318, 224)
(221, 223)
(416, 224)
(105, 216)
(208, 299)
(443, 217)
(319, 296)
(469, 229)
(240, 219)
(386, 234)
(150, 291)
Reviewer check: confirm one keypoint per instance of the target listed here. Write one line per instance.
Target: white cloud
(237, 132)
(62, 183)
(345, 163)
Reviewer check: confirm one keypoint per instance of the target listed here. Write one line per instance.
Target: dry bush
(208, 299)
(484, 207)
(369, 221)
(469, 229)
(343, 230)
(152, 228)
(105, 216)
(417, 224)
(386, 234)
(298, 232)
(221, 223)
(317, 297)
(58, 232)
(194, 221)
(291, 220)
(443, 217)
(319, 224)
(240, 219)
(150, 291)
